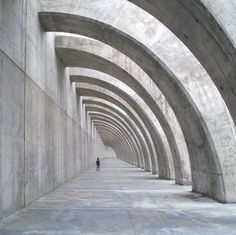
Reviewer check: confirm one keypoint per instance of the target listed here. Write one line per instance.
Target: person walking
(98, 164)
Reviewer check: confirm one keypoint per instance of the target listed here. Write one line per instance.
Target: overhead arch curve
(208, 164)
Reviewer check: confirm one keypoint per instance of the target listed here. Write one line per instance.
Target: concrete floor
(121, 199)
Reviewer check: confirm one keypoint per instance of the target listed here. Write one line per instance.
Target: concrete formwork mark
(205, 160)
(164, 168)
(164, 171)
(124, 126)
(105, 107)
(107, 113)
(125, 151)
(111, 111)
(95, 91)
(210, 41)
(87, 53)
(132, 148)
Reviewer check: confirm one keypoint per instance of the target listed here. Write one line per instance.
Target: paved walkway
(122, 199)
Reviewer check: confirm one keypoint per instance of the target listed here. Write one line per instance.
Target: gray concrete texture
(108, 115)
(187, 107)
(105, 107)
(92, 90)
(165, 164)
(93, 54)
(42, 143)
(156, 88)
(121, 199)
(101, 119)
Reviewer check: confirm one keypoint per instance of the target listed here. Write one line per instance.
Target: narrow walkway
(122, 199)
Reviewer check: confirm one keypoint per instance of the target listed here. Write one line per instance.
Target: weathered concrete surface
(122, 150)
(164, 157)
(126, 138)
(130, 153)
(96, 116)
(43, 122)
(42, 142)
(212, 41)
(206, 156)
(88, 53)
(121, 199)
(107, 114)
(159, 150)
(102, 93)
(12, 81)
(149, 31)
(105, 107)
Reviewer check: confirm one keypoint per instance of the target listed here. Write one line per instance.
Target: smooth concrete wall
(111, 152)
(42, 142)
(11, 136)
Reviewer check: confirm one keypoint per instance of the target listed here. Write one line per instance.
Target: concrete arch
(129, 148)
(95, 91)
(77, 52)
(139, 140)
(109, 115)
(110, 120)
(165, 166)
(165, 161)
(107, 108)
(117, 143)
(111, 141)
(208, 41)
(208, 163)
(135, 153)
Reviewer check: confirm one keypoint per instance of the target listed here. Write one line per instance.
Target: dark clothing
(98, 165)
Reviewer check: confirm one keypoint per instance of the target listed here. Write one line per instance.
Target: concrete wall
(42, 141)
(111, 152)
